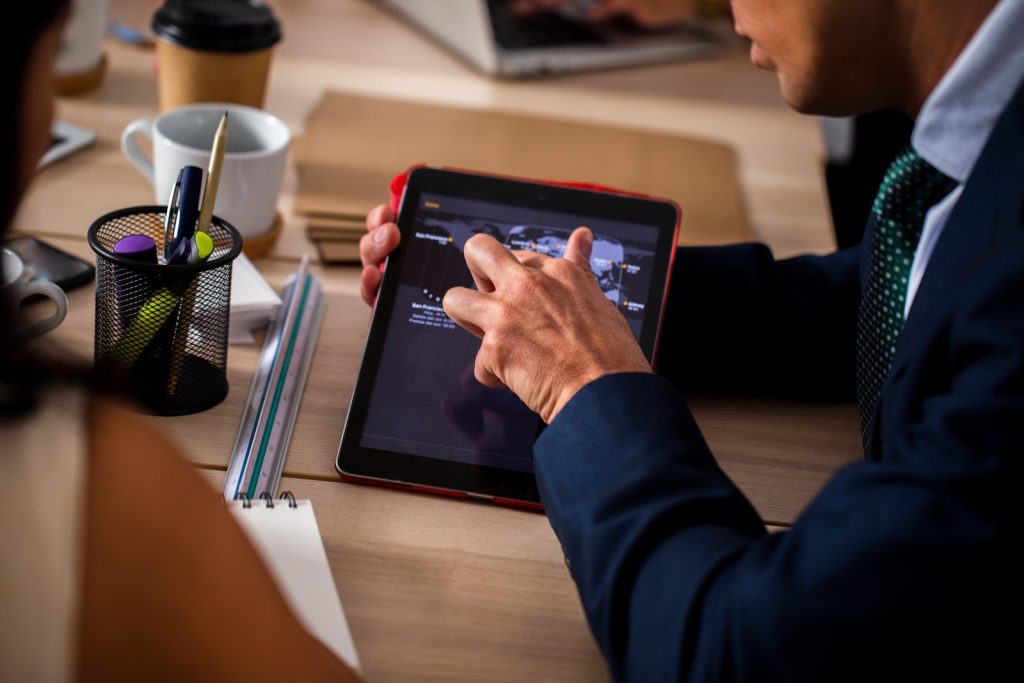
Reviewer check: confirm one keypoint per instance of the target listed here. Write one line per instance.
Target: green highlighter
(195, 249)
(201, 248)
(145, 326)
(158, 309)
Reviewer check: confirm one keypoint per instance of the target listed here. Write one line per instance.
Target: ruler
(261, 446)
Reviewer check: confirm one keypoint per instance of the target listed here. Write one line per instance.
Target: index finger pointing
(490, 262)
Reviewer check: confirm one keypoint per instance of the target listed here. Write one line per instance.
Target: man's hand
(374, 246)
(648, 13)
(547, 329)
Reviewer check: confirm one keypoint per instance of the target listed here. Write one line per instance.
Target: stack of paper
(253, 302)
(353, 145)
(336, 236)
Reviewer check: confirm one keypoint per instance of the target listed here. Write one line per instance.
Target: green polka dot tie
(910, 188)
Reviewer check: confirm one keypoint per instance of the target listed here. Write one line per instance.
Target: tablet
(418, 418)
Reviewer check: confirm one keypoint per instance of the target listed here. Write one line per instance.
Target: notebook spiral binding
(285, 495)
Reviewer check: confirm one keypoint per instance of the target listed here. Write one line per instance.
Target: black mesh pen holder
(162, 330)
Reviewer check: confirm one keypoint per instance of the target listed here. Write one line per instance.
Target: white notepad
(288, 538)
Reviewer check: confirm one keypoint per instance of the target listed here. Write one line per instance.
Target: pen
(200, 248)
(172, 214)
(193, 250)
(190, 187)
(220, 142)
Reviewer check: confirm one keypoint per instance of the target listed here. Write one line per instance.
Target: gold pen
(220, 143)
(188, 301)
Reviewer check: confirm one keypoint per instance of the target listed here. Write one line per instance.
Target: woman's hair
(16, 50)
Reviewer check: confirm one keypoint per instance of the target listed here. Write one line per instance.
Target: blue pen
(171, 215)
(190, 182)
(180, 254)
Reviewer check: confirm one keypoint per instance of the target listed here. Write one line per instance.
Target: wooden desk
(434, 588)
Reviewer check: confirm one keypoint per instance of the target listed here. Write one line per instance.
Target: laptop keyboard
(546, 29)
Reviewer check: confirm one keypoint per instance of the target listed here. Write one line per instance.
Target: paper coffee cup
(214, 51)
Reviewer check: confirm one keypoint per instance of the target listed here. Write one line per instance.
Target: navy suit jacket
(904, 566)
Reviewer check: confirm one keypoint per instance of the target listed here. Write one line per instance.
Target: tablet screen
(424, 400)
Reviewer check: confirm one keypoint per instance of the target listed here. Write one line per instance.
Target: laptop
(488, 36)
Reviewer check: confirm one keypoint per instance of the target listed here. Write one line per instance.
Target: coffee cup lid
(217, 25)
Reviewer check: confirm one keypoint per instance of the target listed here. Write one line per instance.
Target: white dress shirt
(959, 116)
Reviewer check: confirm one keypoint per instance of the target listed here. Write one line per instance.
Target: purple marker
(139, 248)
(133, 288)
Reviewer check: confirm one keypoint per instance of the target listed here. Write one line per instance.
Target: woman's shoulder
(161, 542)
(117, 432)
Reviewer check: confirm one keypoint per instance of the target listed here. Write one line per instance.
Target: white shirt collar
(960, 114)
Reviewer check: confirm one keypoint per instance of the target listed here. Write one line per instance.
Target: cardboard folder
(353, 145)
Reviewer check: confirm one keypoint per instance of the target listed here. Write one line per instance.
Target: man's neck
(937, 32)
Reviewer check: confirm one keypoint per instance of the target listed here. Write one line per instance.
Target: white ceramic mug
(250, 180)
(12, 269)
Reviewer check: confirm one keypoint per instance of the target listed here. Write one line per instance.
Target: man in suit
(905, 564)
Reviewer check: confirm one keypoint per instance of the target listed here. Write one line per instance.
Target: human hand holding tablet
(418, 418)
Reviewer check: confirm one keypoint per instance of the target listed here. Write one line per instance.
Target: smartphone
(66, 138)
(46, 262)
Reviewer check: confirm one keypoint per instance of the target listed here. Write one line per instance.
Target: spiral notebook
(286, 535)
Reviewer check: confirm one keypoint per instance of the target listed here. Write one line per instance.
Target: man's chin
(797, 96)
(802, 91)
(760, 59)
(806, 100)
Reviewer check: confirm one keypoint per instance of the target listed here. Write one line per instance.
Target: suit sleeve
(899, 570)
(739, 321)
